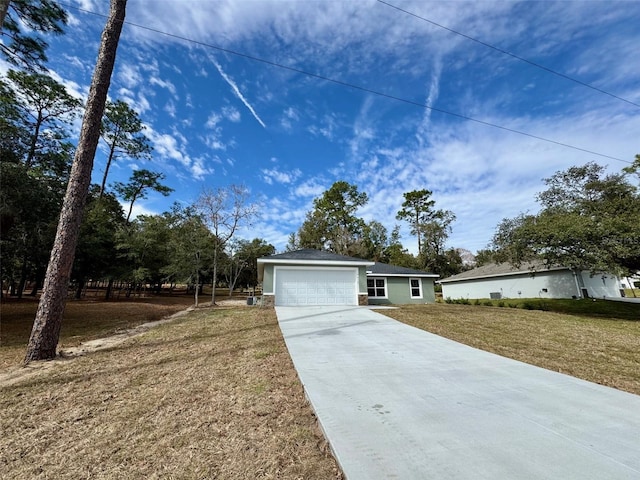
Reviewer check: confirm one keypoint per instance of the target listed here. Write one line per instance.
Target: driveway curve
(397, 402)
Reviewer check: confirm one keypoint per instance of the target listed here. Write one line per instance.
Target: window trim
(386, 287)
(420, 295)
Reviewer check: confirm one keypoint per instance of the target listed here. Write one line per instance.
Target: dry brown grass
(600, 350)
(83, 320)
(212, 394)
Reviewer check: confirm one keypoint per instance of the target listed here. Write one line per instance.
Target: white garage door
(316, 286)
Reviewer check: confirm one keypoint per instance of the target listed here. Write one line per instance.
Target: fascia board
(406, 275)
(318, 263)
(507, 274)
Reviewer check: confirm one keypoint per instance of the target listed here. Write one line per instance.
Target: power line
(513, 55)
(353, 86)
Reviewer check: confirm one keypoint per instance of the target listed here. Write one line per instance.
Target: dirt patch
(88, 326)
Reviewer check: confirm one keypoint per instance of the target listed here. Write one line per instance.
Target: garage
(316, 286)
(313, 277)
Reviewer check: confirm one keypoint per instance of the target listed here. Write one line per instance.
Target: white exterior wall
(601, 285)
(546, 284)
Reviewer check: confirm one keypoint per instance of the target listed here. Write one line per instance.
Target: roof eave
(421, 275)
(363, 263)
(506, 274)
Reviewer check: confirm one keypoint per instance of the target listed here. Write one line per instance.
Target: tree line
(333, 225)
(589, 220)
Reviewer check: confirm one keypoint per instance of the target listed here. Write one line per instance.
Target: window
(377, 287)
(416, 287)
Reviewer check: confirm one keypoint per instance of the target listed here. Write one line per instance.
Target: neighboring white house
(630, 282)
(529, 281)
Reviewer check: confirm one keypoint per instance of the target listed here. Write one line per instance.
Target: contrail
(236, 90)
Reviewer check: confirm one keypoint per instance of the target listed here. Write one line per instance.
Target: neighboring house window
(377, 287)
(416, 287)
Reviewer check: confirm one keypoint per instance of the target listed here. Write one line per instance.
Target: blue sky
(216, 119)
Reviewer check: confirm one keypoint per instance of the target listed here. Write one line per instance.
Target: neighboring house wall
(558, 284)
(630, 282)
(398, 291)
(541, 284)
(601, 285)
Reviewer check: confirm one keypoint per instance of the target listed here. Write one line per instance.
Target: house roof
(309, 256)
(500, 270)
(386, 270)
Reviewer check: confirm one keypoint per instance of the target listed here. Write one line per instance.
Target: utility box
(496, 295)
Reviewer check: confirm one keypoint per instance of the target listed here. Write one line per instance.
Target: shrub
(476, 301)
(501, 304)
(488, 303)
(448, 300)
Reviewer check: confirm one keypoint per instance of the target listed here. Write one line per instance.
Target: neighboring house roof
(310, 256)
(500, 270)
(386, 270)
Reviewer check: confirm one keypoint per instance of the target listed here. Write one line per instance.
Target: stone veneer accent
(270, 300)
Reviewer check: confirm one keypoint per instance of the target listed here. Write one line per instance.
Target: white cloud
(171, 109)
(129, 75)
(310, 188)
(275, 175)
(199, 169)
(289, 117)
(141, 207)
(213, 120)
(167, 146)
(231, 113)
(163, 83)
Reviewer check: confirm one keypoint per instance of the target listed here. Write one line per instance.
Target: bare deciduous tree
(224, 210)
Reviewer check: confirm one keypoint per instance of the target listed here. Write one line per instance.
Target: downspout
(575, 277)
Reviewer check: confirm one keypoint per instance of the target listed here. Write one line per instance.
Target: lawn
(586, 344)
(212, 394)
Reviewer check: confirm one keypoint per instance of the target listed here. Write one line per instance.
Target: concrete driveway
(398, 402)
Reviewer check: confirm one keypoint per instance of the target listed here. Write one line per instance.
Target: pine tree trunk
(46, 327)
(107, 295)
(4, 8)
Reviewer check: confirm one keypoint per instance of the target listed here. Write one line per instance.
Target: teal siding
(362, 280)
(267, 279)
(399, 292)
